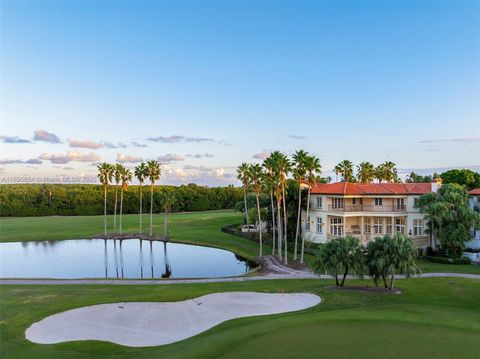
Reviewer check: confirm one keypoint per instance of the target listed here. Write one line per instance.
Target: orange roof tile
(348, 188)
(475, 192)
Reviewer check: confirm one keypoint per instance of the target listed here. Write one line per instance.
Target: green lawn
(432, 318)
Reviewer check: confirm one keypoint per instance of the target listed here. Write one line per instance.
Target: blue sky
(205, 86)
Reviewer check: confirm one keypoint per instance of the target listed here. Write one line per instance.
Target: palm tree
(168, 199)
(269, 187)
(390, 171)
(313, 170)
(283, 167)
(400, 254)
(117, 170)
(141, 174)
(256, 179)
(105, 176)
(243, 176)
(299, 172)
(345, 169)
(154, 171)
(366, 172)
(126, 176)
(381, 173)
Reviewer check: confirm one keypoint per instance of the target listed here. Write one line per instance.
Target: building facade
(474, 202)
(366, 211)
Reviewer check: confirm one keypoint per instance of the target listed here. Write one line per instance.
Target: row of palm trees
(367, 172)
(270, 178)
(107, 173)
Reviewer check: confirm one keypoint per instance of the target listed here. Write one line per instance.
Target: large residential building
(366, 211)
(474, 203)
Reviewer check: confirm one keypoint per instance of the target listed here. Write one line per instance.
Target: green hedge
(444, 260)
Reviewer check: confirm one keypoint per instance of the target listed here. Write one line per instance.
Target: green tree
(365, 172)
(345, 169)
(313, 170)
(256, 179)
(117, 176)
(399, 256)
(464, 177)
(168, 198)
(269, 184)
(449, 217)
(105, 172)
(141, 173)
(126, 177)
(299, 171)
(244, 176)
(154, 172)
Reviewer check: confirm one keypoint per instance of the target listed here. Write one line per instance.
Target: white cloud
(262, 155)
(13, 139)
(177, 138)
(200, 155)
(84, 144)
(297, 137)
(136, 144)
(169, 158)
(461, 139)
(61, 158)
(42, 135)
(128, 158)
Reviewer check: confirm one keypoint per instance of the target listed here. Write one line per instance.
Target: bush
(446, 260)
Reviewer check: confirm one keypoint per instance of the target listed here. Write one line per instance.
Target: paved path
(209, 280)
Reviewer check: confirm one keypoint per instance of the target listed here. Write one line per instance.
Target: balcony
(368, 208)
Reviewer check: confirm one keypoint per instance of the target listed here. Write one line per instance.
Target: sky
(204, 86)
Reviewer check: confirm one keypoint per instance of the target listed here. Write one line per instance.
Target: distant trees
(345, 170)
(256, 175)
(105, 172)
(367, 172)
(465, 177)
(153, 173)
(449, 218)
(300, 159)
(243, 176)
(141, 173)
(126, 176)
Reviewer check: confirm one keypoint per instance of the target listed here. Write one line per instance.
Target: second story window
(319, 202)
(337, 203)
(378, 202)
(400, 203)
(307, 224)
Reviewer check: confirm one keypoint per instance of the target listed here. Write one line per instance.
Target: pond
(131, 258)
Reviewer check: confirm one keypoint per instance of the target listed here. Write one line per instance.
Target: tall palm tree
(283, 167)
(244, 177)
(256, 178)
(168, 199)
(313, 170)
(390, 171)
(126, 176)
(366, 172)
(345, 169)
(299, 172)
(154, 171)
(141, 173)
(269, 187)
(105, 176)
(117, 176)
(381, 173)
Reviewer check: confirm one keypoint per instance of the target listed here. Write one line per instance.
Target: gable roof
(475, 192)
(348, 188)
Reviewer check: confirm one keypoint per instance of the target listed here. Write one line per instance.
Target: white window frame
(319, 225)
(378, 201)
(400, 202)
(378, 225)
(400, 225)
(388, 226)
(367, 228)
(337, 203)
(417, 227)
(307, 224)
(319, 202)
(336, 226)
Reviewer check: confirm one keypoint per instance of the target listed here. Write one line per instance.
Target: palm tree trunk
(165, 223)
(141, 195)
(246, 209)
(392, 279)
(336, 279)
(344, 276)
(151, 207)
(279, 229)
(115, 210)
(259, 228)
(285, 220)
(121, 209)
(298, 219)
(273, 223)
(384, 281)
(306, 219)
(105, 210)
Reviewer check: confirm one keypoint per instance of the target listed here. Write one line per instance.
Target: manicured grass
(432, 318)
(430, 267)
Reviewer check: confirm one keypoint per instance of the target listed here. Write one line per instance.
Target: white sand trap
(138, 324)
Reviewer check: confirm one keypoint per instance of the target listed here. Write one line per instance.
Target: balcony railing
(368, 208)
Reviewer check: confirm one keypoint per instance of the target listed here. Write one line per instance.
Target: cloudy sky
(202, 87)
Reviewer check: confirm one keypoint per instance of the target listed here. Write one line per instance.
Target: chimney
(436, 184)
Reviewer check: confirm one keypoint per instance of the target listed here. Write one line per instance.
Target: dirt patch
(366, 289)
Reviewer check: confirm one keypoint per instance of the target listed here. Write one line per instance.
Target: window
(319, 202)
(367, 225)
(415, 202)
(400, 225)
(319, 224)
(378, 201)
(400, 203)
(354, 201)
(378, 225)
(417, 227)
(337, 203)
(389, 225)
(307, 224)
(336, 226)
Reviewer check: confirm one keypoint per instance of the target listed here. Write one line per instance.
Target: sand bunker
(138, 324)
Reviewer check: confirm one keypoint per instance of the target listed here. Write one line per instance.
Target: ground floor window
(378, 225)
(389, 225)
(367, 225)
(400, 225)
(336, 226)
(319, 224)
(307, 224)
(417, 227)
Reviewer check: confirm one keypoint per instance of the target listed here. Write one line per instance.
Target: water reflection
(108, 258)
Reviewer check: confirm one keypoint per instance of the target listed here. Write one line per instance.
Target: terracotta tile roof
(348, 188)
(475, 192)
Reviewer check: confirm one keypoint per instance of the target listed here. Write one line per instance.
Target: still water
(132, 258)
